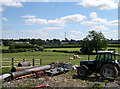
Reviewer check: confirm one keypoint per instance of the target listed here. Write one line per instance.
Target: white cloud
(111, 34)
(113, 22)
(13, 3)
(22, 0)
(4, 19)
(1, 9)
(45, 29)
(72, 37)
(93, 15)
(28, 16)
(100, 21)
(99, 4)
(73, 18)
(99, 28)
(41, 33)
(51, 28)
(7, 32)
(58, 22)
(76, 32)
(95, 21)
(45, 0)
(35, 21)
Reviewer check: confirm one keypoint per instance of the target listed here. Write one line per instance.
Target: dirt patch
(69, 79)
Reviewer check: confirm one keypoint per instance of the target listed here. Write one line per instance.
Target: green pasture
(117, 49)
(78, 49)
(68, 49)
(47, 57)
(4, 47)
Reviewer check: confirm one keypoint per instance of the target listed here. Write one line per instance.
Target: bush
(21, 50)
(12, 46)
(24, 45)
(9, 51)
(41, 48)
(36, 49)
(5, 51)
(62, 46)
(113, 45)
(13, 51)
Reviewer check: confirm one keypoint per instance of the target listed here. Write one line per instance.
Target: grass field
(78, 49)
(68, 49)
(4, 47)
(47, 57)
(117, 49)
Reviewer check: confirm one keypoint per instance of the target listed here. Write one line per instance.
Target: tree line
(93, 41)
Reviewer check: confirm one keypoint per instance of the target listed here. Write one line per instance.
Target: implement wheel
(82, 71)
(109, 71)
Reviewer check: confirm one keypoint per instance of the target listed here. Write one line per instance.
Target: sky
(47, 19)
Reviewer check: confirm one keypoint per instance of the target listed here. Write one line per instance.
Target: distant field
(117, 49)
(68, 49)
(78, 49)
(4, 47)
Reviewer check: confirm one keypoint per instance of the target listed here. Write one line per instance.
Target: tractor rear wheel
(82, 71)
(109, 71)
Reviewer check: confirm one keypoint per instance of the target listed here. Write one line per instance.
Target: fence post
(12, 62)
(40, 61)
(23, 60)
(88, 57)
(33, 62)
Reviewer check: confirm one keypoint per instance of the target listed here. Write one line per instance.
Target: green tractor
(106, 64)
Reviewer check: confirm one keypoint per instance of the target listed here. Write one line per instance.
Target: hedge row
(23, 46)
(113, 45)
(75, 46)
(63, 46)
(21, 50)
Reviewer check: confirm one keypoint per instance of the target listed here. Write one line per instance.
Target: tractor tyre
(109, 71)
(82, 71)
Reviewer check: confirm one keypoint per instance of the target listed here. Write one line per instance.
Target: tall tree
(93, 41)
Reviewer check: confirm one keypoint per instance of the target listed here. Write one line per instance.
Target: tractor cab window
(118, 57)
(100, 57)
(113, 57)
(108, 56)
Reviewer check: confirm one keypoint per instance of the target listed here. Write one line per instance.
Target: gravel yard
(69, 79)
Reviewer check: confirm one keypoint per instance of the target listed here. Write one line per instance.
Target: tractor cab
(107, 56)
